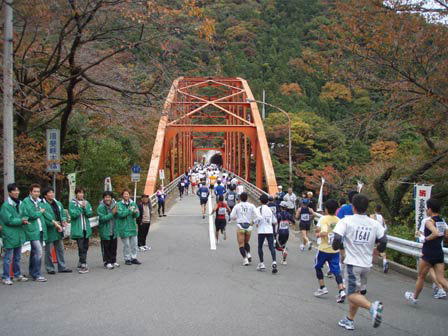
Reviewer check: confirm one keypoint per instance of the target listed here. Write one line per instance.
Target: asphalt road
(185, 288)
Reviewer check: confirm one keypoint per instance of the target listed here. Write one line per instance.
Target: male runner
(203, 194)
(265, 231)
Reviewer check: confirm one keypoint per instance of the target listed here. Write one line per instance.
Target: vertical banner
(54, 150)
(359, 186)
(422, 194)
(71, 185)
(107, 184)
(320, 205)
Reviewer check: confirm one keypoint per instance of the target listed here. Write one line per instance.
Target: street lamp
(289, 132)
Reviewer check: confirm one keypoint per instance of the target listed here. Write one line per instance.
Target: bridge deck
(184, 288)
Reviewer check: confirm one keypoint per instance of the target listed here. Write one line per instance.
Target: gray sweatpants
(129, 247)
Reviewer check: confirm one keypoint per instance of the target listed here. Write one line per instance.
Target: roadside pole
(135, 177)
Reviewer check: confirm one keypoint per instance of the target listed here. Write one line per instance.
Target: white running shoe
(321, 291)
(147, 248)
(261, 267)
(7, 282)
(441, 294)
(141, 249)
(116, 264)
(110, 266)
(246, 262)
(284, 262)
(341, 297)
(376, 311)
(347, 324)
(20, 278)
(410, 297)
(302, 247)
(249, 257)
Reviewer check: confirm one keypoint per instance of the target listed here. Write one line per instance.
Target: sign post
(320, 206)
(135, 177)
(422, 194)
(72, 185)
(162, 175)
(54, 153)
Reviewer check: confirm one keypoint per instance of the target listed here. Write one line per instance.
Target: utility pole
(8, 133)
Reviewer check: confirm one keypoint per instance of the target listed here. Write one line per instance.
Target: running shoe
(116, 265)
(110, 266)
(249, 257)
(7, 282)
(246, 262)
(386, 267)
(376, 312)
(435, 289)
(302, 247)
(341, 297)
(147, 248)
(274, 267)
(261, 267)
(84, 269)
(20, 278)
(141, 249)
(285, 253)
(310, 246)
(284, 262)
(441, 294)
(321, 291)
(347, 324)
(40, 279)
(128, 262)
(329, 274)
(410, 297)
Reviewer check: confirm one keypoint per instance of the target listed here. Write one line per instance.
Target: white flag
(107, 184)
(422, 194)
(320, 205)
(71, 185)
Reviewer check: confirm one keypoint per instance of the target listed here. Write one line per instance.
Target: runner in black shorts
(432, 251)
(284, 220)
(203, 194)
(220, 220)
(305, 215)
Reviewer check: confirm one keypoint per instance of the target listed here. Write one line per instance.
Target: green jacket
(106, 218)
(125, 219)
(13, 233)
(50, 216)
(77, 216)
(32, 212)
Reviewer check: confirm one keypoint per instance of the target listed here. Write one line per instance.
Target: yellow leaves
(291, 89)
(332, 91)
(383, 150)
(300, 64)
(207, 29)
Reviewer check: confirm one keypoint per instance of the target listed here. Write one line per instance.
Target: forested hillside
(365, 84)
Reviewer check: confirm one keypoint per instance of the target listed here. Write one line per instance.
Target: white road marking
(211, 226)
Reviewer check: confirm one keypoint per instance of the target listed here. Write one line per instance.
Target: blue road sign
(136, 169)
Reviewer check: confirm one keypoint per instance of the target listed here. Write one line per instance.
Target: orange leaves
(30, 157)
(332, 178)
(383, 150)
(332, 91)
(291, 89)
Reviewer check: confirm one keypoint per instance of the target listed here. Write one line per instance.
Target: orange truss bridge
(211, 113)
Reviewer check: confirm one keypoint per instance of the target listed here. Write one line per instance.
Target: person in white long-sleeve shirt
(291, 199)
(244, 213)
(266, 231)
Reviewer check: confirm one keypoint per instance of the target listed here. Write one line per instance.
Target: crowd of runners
(346, 235)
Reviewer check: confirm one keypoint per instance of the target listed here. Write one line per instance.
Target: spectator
(311, 200)
(13, 234)
(108, 230)
(144, 222)
(161, 196)
(279, 195)
(55, 220)
(290, 198)
(342, 201)
(36, 231)
(80, 211)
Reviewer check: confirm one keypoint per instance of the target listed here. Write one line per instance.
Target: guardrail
(401, 245)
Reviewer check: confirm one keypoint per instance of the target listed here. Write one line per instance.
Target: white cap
(280, 187)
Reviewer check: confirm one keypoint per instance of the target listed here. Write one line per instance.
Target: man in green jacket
(127, 227)
(55, 220)
(36, 231)
(106, 216)
(12, 234)
(80, 211)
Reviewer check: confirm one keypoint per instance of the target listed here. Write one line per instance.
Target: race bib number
(243, 209)
(182, 184)
(330, 239)
(305, 217)
(221, 211)
(203, 194)
(268, 220)
(362, 235)
(231, 197)
(284, 225)
(441, 227)
(274, 210)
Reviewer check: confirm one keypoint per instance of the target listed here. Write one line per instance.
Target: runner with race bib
(265, 231)
(305, 215)
(203, 194)
(284, 219)
(220, 209)
(231, 197)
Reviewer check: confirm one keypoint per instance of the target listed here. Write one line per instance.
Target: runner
(239, 188)
(305, 216)
(231, 197)
(432, 253)
(326, 253)
(360, 233)
(212, 180)
(380, 219)
(284, 220)
(181, 187)
(203, 194)
(220, 221)
(265, 231)
(193, 179)
(244, 213)
(220, 190)
(161, 196)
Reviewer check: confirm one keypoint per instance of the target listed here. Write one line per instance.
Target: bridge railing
(408, 247)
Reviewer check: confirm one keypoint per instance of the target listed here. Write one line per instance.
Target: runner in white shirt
(360, 234)
(380, 219)
(244, 214)
(266, 231)
(239, 188)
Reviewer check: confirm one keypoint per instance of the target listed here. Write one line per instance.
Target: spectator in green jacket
(80, 211)
(56, 220)
(106, 216)
(127, 227)
(36, 231)
(13, 234)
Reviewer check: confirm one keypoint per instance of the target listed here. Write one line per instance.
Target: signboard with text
(54, 150)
